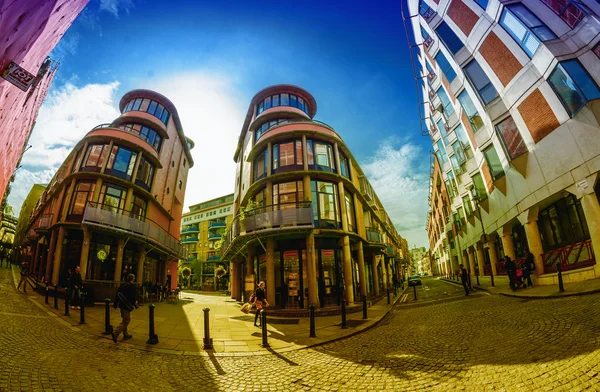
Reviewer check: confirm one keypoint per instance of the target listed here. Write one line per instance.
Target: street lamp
(476, 198)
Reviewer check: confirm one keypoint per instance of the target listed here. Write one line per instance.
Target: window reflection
(149, 106)
(282, 100)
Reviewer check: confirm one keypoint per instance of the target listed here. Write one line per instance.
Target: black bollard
(561, 287)
(208, 342)
(415, 291)
(311, 310)
(47, 292)
(66, 302)
(477, 277)
(152, 337)
(108, 329)
(388, 295)
(344, 324)
(263, 324)
(82, 307)
(55, 297)
(364, 306)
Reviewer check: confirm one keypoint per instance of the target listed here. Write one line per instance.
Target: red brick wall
(504, 64)
(463, 16)
(538, 116)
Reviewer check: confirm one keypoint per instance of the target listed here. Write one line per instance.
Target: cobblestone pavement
(476, 343)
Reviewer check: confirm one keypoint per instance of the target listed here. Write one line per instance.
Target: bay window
(573, 85)
(260, 165)
(145, 174)
(95, 157)
(325, 205)
(511, 138)
(287, 156)
(121, 162)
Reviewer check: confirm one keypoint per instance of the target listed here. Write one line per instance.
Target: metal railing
(190, 230)
(214, 236)
(45, 221)
(269, 217)
(373, 235)
(216, 224)
(570, 257)
(127, 222)
(189, 240)
(213, 258)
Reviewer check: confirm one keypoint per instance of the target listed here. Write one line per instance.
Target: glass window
(287, 155)
(149, 106)
(310, 156)
(482, 3)
(441, 153)
(299, 157)
(425, 10)
(445, 66)
(267, 104)
(493, 161)
(573, 85)
(532, 22)
(152, 107)
(275, 100)
(449, 38)
(511, 138)
(523, 27)
(479, 186)
(481, 83)
(446, 104)
(260, 165)
(300, 104)
(468, 206)
(112, 197)
(288, 193)
(84, 192)
(140, 206)
(325, 207)
(293, 101)
(145, 174)
(464, 140)
(442, 127)
(137, 104)
(144, 105)
(344, 166)
(469, 108)
(459, 153)
(121, 162)
(285, 99)
(350, 211)
(324, 156)
(95, 157)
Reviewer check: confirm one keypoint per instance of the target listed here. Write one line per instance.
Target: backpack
(252, 298)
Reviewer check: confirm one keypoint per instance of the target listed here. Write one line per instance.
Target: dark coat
(464, 276)
(260, 294)
(509, 266)
(129, 292)
(76, 280)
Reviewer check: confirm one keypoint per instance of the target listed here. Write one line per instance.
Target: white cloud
(399, 174)
(212, 113)
(113, 6)
(65, 117)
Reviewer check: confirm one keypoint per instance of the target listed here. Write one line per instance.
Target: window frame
(488, 156)
(484, 87)
(443, 28)
(576, 84)
(505, 145)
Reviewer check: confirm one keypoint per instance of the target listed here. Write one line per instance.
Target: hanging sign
(101, 255)
(290, 253)
(18, 76)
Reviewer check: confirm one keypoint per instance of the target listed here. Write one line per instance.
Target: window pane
(445, 66)
(285, 100)
(275, 100)
(441, 152)
(122, 160)
(144, 105)
(442, 128)
(449, 38)
(447, 105)
(479, 186)
(322, 154)
(470, 110)
(511, 138)
(137, 104)
(493, 161)
(309, 152)
(568, 93)
(467, 203)
(513, 25)
(582, 79)
(293, 101)
(480, 82)
(299, 158)
(531, 44)
(267, 104)
(286, 154)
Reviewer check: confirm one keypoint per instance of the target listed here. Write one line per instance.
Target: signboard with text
(18, 76)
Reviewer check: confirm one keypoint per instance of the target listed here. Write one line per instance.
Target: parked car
(414, 280)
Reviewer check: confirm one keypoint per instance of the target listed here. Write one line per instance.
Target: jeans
(126, 316)
(466, 287)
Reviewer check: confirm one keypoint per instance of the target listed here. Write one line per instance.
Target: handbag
(252, 298)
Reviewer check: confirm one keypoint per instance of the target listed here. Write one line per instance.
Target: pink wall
(29, 30)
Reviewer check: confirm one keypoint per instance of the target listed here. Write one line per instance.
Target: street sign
(18, 76)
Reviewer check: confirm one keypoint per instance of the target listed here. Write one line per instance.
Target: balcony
(264, 220)
(214, 225)
(213, 258)
(214, 236)
(125, 222)
(390, 251)
(190, 230)
(189, 240)
(44, 223)
(373, 235)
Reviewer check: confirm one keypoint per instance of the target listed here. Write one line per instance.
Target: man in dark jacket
(126, 300)
(464, 277)
(511, 269)
(75, 287)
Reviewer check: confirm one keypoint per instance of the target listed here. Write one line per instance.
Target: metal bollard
(263, 324)
(344, 323)
(477, 277)
(311, 310)
(207, 342)
(388, 295)
(55, 297)
(561, 287)
(108, 329)
(47, 292)
(67, 302)
(364, 301)
(82, 307)
(152, 337)
(415, 291)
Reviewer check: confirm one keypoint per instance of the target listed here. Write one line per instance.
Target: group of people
(519, 276)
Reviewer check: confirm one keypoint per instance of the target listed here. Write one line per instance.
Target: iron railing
(214, 236)
(216, 225)
(373, 235)
(286, 215)
(190, 230)
(127, 222)
(189, 240)
(570, 257)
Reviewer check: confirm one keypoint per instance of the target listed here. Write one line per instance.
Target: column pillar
(139, 273)
(85, 251)
(480, 259)
(375, 275)
(361, 269)
(36, 261)
(58, 254)
(348, 270)
(311, 271)
(384, 276)
(233, 271)
(591, 210)
(493, 255)
(534, 242)
(270, 281)
(250, 271)
(508, 245)
(471, 257)
(166, 273)
(119, 260)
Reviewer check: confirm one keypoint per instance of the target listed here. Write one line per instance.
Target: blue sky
(210, 58)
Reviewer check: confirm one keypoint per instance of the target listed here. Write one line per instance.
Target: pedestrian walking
(126, 300)
(511, 270)
(530, 267)
(75, 288)
(24, 275)
(260, 301)
(464, 277)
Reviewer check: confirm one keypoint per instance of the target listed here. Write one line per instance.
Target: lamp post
(476, 198)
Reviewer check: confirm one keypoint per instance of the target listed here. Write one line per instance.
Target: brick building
(511, 103)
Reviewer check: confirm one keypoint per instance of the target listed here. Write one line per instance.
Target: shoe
(78, 308)
(127, 337)
(72, 307)
(114, 337)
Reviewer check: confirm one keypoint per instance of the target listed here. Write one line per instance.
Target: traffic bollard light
(108, 329)
(207, 342)
(311, 310)
(152, 337)
(82, 307)
(263, 324)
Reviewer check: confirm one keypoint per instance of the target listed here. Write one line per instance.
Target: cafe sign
(18, 76)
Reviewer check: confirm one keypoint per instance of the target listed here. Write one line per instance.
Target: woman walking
(260, 301)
